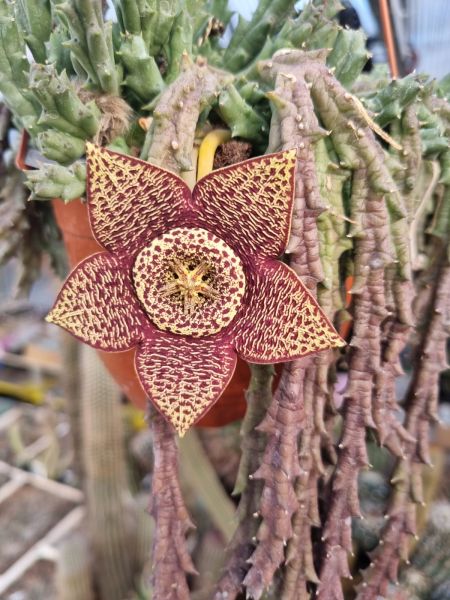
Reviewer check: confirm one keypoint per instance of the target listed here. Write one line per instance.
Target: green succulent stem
(243, 120)
(35, 20)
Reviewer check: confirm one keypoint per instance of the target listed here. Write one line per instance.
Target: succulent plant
(27, 230)
(428, 573)
(188, 281)
(369, 238)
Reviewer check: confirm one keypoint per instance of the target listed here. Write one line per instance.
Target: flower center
(189, 282)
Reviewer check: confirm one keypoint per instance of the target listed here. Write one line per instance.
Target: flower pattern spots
(191, 280)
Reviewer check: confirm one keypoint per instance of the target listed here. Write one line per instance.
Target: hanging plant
(195, 272)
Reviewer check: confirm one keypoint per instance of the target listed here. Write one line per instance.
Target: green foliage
(34, 19)
(348, 56)
(57, 181)
(389, 102)
(27, 230)
(243, 120)
(149, 49)
(249, 37)
(62, 108)
(14, 69)
(142, 75)
(90, 43)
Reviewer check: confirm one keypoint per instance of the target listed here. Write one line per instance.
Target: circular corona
(189, 281)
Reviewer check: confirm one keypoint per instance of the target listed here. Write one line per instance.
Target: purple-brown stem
(369, 310)
(171, 559)
(241, 546)
(421, 405)
(279, 469)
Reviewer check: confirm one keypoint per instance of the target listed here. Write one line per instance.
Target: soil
(35, 584)
(232, 152)
(25, 517)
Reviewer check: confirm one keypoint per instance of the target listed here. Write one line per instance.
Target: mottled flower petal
(131, 201)
(97, 305)
(184, 376)
(282, 320)
(249, 204)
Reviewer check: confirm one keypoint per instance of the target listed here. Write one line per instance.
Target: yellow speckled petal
(249, 204)
(282, 320)
(130, 200)
(97, 305)
(183, 376)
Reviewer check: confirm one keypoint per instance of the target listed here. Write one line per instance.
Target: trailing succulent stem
(253, 440)
(171, 559)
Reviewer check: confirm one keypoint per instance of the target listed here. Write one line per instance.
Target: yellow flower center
(191, 284)
(189, 281)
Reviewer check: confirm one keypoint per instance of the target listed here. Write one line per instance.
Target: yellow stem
(208, 148)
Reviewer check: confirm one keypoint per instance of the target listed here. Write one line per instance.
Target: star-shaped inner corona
(189, 282)
(192, 284)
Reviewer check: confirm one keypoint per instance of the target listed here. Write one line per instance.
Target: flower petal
(98, 306)
(282, 320)
(184, 376)
(130, 200)
(250, 204)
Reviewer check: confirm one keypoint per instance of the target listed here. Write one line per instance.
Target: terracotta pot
(73, 221)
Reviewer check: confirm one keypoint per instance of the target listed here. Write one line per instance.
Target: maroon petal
(250, 204)
(130, 200)
(184, 376)
(97, 305)
(282, 320)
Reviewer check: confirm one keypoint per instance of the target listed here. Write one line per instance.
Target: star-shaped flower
(191, 279)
